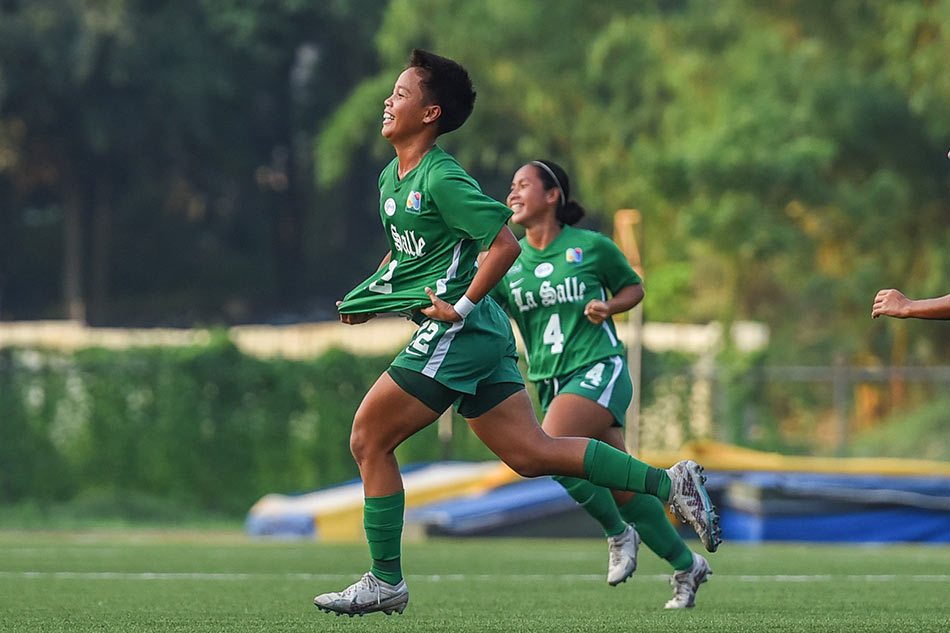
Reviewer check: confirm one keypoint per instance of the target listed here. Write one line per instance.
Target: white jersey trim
(441, 284)
(610, 335)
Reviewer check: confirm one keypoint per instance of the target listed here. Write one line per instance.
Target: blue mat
(754, 506)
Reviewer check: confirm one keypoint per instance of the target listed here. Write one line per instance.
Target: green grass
(136, 580)
(93, 510)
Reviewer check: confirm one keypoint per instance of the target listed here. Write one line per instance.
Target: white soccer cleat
(622, 556)
(686, 582)
(690, 502)
(367, 595)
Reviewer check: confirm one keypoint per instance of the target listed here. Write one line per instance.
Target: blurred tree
(788, 157)
(168, 144)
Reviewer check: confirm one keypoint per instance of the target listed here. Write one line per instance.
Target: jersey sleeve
(465, 209)
(613, 268)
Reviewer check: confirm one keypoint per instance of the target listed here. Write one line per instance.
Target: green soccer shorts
(606, 382)
(470, 358)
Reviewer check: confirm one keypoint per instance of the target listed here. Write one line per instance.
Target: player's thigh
(386, 417)
(571, 415)
(512, 432)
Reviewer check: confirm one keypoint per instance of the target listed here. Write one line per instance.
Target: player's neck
(541, 235)
(411, 151)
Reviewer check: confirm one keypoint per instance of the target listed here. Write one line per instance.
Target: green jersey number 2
(553, 335)
(425, 336)
(386, 287)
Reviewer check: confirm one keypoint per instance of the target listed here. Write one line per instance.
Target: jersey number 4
(553, 335)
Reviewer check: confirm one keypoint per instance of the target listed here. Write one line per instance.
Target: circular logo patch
(390, 207)
(543, 270)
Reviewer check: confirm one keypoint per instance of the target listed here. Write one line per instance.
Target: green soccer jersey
(545, 292)
(437, 220)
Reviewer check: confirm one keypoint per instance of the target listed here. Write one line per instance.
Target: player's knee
(357, 445)
(361, 441)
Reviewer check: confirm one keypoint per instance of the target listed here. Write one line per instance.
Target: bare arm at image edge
(893, 303)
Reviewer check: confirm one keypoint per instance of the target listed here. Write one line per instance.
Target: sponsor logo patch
(389, 207)
(543, 270)
(414, 202)
(574, 255)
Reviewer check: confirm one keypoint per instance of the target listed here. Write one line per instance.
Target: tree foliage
(169, 144)
(788, 157)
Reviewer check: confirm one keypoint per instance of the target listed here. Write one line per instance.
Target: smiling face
(528, 198)
(406, 112)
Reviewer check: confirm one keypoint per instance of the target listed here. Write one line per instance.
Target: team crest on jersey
(574, 255)
(414, 202)
(389, 207)
(543, 270)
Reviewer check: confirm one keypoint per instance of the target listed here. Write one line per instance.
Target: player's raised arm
(494, 263)
(891, 302)
(598, 311)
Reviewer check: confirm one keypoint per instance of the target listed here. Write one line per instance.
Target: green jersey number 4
(553, 335)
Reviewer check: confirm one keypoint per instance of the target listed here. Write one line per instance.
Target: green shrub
(206, 427)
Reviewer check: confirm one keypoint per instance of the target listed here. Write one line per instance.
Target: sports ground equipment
(690, 502)
(686, 582)
(622, 556)
(366, 595)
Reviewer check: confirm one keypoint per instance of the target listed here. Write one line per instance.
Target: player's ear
(432, 113)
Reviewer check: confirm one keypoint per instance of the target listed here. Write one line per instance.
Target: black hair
(569, 211)
(447, 85)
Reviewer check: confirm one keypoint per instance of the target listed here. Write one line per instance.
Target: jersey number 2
(425, 336)
(385, 287)
(552, 334)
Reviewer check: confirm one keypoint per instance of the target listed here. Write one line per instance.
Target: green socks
(605, 466)
(649, 517)
(382, 520)
(596, 501)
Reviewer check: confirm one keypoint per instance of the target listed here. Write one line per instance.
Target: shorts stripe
(604, 399)
(435, 361)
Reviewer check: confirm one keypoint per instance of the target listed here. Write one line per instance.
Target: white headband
(554, 178)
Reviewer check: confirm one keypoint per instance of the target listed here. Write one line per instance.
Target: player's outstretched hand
(889, 302)
(596, 311)
(440, 310)
(355, 319)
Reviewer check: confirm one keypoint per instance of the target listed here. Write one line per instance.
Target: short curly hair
(446, 84)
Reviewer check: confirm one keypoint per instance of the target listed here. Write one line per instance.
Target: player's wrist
(464, 306)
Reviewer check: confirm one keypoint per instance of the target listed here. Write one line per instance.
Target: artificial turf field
(203, 581)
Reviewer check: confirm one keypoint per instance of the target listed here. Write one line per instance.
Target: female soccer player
(562, 292)
(437, 220)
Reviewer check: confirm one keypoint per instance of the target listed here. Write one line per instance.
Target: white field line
(205, 576)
